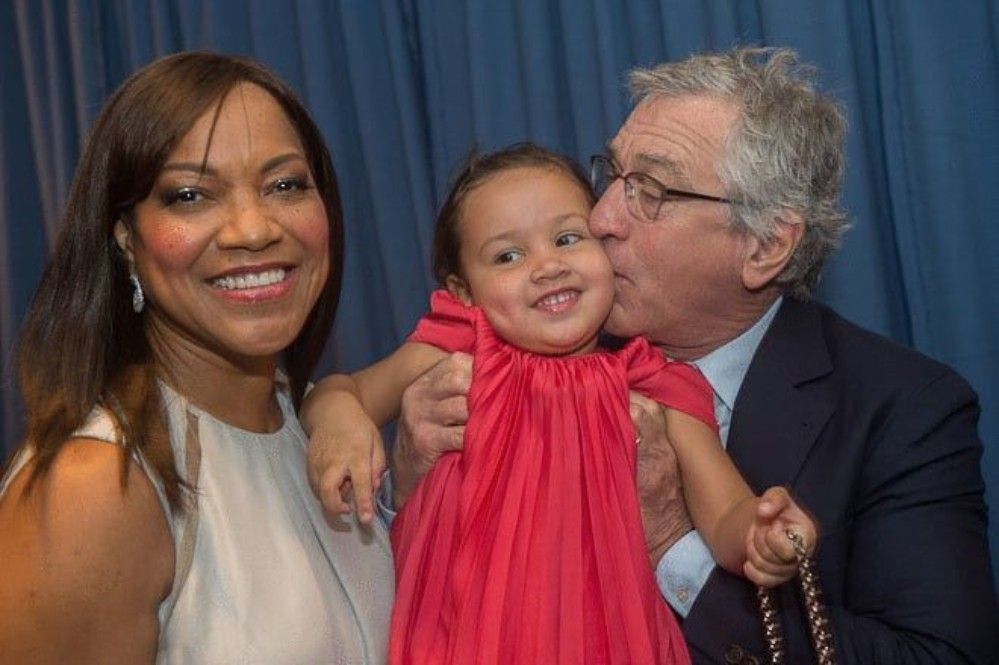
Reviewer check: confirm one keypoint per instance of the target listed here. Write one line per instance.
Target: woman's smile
(231, 244)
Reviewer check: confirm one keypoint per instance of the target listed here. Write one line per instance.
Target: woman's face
(231, 256)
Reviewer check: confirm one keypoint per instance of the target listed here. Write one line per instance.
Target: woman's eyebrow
(279, 160)
(193, 167)
(205, 169)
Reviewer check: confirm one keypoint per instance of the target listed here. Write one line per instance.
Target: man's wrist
(659, 548)
(683, 571)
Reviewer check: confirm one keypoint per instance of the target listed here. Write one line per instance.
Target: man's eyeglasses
(644, 195)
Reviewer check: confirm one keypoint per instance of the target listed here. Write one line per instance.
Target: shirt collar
(726, 367)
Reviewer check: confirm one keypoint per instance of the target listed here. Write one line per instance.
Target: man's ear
(457, 287)
(123, 236)
(765, 259)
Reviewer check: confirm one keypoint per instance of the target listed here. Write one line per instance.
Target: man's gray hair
(784, 153)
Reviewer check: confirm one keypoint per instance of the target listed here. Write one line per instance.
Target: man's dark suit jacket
(880, 443)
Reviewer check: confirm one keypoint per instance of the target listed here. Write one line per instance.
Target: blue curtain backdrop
(403, 88)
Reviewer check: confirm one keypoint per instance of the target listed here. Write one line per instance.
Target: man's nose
(610, 217)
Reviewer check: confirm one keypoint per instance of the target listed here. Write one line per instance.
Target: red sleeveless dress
(527, 546)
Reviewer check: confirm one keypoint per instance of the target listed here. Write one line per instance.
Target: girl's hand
(770, 556)
(346, 457)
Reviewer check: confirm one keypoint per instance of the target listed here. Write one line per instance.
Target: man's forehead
(647, 161)
(641, 142)
(667, 133)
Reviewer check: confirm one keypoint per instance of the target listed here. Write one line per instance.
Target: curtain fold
(402, 89)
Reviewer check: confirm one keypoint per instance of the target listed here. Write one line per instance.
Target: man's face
(678, 278)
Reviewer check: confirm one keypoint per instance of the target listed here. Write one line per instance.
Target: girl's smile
(530, 262)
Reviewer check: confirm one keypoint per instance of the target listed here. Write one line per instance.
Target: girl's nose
(549, 266)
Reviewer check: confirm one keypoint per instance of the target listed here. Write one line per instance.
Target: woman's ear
(765, 259)
(457, 287)
(123, 237)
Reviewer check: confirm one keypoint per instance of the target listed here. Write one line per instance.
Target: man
(719, 205)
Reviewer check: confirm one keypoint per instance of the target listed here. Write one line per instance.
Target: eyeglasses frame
(666, 192)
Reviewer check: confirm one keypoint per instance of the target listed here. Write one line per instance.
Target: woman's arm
(86, 561)
(342, 415)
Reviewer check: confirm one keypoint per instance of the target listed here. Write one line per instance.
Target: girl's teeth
(558, 298)
(250, 281)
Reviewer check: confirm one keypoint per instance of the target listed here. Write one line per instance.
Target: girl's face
(232, 257)
(531, 264)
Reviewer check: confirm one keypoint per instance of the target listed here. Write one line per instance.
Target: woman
(188, 299)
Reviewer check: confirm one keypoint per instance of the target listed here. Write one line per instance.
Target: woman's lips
(253, 285)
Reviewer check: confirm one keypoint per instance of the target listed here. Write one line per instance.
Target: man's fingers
(642, 410)
(454, 437)
(451, 376)
(431, 421)
(451, 411)
(461, 366)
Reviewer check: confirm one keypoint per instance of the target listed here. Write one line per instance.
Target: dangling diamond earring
(138, 297)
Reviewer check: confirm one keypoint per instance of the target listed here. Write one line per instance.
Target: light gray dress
(261, 577)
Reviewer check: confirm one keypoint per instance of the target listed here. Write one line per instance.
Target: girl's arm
(86, 561)
(342, 415)
(744, 533)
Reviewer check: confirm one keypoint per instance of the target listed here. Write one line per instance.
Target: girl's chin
(569, 347)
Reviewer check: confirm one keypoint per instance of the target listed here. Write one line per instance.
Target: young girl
(527, 547)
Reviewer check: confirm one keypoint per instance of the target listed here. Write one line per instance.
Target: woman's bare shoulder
(87, 560)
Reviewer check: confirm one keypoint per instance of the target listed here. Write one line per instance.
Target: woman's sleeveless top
(261, 577)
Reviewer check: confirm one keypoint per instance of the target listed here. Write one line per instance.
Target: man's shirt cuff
(683, 571)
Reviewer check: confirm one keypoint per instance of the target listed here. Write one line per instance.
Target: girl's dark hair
(476, 170)
(81, 343)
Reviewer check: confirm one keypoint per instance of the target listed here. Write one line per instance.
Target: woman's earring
(138, 297)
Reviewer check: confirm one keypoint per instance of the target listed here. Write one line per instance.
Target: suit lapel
(784, 402)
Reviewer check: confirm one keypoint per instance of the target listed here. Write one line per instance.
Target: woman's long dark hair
(81, 343)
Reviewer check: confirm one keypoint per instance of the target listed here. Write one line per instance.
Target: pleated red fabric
(527, 547)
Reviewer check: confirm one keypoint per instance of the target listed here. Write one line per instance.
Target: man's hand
(432, 422)
(664, 514)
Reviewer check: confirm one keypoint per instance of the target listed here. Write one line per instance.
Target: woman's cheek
(314, 230)
(173, 246)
